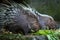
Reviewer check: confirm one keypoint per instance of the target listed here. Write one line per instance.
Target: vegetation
(50, 34)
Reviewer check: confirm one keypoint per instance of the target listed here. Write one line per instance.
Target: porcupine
(15, 19)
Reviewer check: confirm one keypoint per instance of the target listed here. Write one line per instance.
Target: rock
(41, 37)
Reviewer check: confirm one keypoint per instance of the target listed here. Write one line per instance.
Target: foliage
(51, 34)
(10, 36)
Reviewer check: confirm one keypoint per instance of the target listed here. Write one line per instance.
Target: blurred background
(50, 7)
